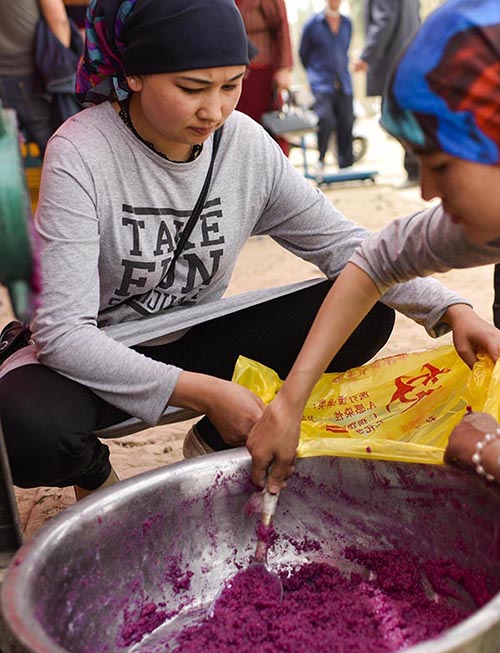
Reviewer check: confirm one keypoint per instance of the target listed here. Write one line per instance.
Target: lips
(202, 131)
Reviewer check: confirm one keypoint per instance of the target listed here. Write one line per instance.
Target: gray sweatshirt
(419, 245)
(108, 216)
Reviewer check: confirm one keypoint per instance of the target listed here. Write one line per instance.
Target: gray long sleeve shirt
(419, 245)
(108, 216)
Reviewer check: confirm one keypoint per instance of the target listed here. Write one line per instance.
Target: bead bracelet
(477, 456)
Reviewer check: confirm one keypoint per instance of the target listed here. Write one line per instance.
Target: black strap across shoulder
(198, 208)
(186, 232)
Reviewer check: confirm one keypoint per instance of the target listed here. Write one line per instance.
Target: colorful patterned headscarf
(444, 94)
(140, 37)
(100, 74)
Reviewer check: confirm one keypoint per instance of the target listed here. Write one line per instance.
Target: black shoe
(194, 445)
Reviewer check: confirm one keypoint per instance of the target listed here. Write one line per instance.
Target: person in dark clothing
(389, 24)
(323, 50)
(18, 81)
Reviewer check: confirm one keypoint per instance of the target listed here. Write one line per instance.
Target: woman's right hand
(233, 411)
(231, 408)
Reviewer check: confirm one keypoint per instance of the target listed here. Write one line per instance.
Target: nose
(211, 109)
(428, 183)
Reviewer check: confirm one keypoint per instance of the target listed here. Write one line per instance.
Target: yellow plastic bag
(401, 407)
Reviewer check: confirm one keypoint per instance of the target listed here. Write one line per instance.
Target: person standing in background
(389, 24)
(324, 52)
(18, 84)
(270, 71)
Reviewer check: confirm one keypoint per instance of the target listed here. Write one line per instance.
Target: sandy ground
(264, 264)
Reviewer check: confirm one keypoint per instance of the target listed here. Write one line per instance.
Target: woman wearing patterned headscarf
(130, 321)
(443, 102)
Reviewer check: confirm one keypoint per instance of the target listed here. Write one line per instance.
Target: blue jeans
(33, 111)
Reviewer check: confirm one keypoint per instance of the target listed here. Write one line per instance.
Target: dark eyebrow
(207, 82)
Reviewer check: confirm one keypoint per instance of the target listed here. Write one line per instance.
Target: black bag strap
(193, 219)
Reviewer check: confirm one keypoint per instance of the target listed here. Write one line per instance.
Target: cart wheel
(309, 142)
(359, 147)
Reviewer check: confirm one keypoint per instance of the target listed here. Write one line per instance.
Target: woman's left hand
(472, 334)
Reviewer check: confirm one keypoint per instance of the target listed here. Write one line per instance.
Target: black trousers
(49, 420)
(335, 114)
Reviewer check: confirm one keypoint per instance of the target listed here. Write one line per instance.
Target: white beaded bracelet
(477, 456)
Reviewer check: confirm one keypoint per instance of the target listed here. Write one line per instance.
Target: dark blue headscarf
(444, 94)
(140, 37)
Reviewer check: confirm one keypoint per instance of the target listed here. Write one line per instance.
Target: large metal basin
(68, 588)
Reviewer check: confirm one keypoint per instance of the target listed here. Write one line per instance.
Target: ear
(134, 82)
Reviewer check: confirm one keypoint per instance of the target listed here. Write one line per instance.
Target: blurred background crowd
(293, 48)
(299, 12)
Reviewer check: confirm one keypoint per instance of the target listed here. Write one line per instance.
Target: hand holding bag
(290, 119)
